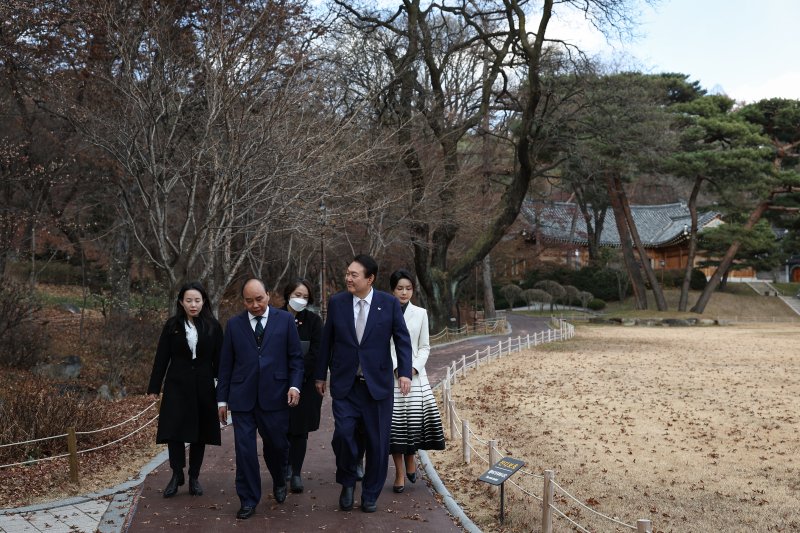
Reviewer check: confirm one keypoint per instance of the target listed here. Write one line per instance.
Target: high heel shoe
(175, 481)
(398, 489)
(412, 476)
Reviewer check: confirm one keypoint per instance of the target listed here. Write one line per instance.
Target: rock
(676, 322)
(106, 393)
(723, 322)
(68, 368)
(705, 322)
(71, 309)
(628, 322)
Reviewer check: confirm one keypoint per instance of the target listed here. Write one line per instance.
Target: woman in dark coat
(186, 363)
(305, 417)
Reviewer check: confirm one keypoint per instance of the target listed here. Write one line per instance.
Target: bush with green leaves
(597, 304)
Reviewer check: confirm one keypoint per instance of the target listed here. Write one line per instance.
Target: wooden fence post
(454, 373)
(453, 428)
(464, 365)
(465, 440)
(643, 526)
(477, 359)
(72, 448)
(547, 501)
(527, 341)
(499, 349)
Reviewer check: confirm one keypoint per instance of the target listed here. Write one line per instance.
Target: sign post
(497, 474)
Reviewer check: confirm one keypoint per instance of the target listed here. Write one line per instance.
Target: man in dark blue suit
(260, 374)
(355, 345)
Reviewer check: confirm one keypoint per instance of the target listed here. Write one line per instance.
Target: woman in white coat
(416, 423)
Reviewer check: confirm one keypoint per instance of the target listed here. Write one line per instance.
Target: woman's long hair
(206, 316)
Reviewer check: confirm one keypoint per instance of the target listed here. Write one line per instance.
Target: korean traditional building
(555, 233)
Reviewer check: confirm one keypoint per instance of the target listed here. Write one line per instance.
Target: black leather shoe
(412, 477)
(245, 512)
(279, 493)
(296, 484)
(172, 487)
(346, 499)
(359, 472)
(194, 487)
(368, 507)
(398, 489)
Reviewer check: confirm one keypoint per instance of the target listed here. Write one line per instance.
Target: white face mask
(298, 304)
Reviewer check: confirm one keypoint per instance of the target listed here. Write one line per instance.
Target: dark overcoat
(305, 417)
(188, 404)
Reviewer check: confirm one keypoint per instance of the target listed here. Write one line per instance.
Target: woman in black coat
(186, 363)
(305, 417)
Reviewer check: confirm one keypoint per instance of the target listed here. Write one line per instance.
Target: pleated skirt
(416, 423)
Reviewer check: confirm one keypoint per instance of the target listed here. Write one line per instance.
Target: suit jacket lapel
(270, 325)
(247, 331)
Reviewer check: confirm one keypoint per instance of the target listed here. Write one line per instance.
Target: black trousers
(177, 457)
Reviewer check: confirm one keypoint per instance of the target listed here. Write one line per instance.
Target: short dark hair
(248, 280)
(399, 274)
(292, 285)
(369, 264)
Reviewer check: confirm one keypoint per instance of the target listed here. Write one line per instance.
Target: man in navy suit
(355, 345)
(260, 374)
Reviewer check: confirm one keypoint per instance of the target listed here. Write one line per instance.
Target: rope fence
(559, 330)
(71, 437)
(480, 327)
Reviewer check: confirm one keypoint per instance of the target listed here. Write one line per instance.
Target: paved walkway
(139, 507)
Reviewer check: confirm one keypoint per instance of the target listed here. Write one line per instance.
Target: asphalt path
(417, 509)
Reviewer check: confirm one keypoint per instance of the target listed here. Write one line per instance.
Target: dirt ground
(695, 429)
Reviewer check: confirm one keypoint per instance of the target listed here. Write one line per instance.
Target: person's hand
(223, 414)
(320, 387)
(405, 385)
(293, 397)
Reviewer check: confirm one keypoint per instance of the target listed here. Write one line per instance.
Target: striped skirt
(416, 424)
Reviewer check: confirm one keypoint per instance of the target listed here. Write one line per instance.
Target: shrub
(34, 409)
(698, 280)
(23, 339)
(511, 293)
(596, 305)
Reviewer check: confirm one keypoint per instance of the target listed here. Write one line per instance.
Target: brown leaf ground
(695, 429)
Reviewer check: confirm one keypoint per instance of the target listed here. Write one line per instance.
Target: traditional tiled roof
(658, 225)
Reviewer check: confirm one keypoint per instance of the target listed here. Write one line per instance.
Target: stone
(68, 368)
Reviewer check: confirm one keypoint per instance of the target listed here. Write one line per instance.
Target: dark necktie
(259, 331)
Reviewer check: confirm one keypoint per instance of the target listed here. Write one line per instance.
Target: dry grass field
(696, 429)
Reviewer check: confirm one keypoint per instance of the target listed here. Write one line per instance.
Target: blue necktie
(259, 331)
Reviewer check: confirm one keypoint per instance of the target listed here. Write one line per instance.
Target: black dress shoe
(368, 507)
(279, 493)
(245, 512)
(172, 487)
(346, 499)
(296, 484)
(359, 472)
(398, 489)
(412, 477)
(194, 487)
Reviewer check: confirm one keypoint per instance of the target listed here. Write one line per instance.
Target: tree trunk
(661, 303)
(634, 273)
(727, 259)
(683, 302)
(489, 310)
(119, 270)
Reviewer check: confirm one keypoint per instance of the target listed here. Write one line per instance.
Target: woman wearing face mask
(304, 418)
(186, 363)
(416, 424)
